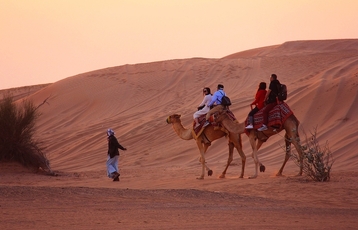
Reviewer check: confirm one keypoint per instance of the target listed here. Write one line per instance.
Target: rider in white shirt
(203, 105)
(215, 101)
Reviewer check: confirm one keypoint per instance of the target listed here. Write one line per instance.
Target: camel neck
(182, 132)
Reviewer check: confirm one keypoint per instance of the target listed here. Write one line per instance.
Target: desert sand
(158, 188)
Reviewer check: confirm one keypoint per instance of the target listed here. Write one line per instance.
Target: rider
(259, 103)
(270, 100)
(203, 108)
(215, 101)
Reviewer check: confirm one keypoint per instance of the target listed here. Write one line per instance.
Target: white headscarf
(110, 132)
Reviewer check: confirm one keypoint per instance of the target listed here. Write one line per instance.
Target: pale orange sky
(43, 41)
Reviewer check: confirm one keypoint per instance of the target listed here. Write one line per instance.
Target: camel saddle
(276, 117)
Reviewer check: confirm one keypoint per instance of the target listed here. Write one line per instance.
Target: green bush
(17, 128)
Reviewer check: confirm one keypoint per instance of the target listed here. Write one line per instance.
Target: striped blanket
(277, 116)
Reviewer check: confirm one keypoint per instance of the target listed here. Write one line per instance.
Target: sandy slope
(134, 100)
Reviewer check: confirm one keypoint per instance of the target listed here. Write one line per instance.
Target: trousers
(266, 110)
(112, 165)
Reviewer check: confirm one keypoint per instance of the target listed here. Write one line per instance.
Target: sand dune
(135, 100)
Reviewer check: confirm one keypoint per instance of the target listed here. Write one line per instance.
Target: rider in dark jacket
(270, 100)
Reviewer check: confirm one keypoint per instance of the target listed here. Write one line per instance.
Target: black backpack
(225, 101)
(282, 92)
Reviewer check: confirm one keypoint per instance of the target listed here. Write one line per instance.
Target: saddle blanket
(276, 118)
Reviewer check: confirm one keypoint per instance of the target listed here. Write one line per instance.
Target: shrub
(317, 159)
(17, 128)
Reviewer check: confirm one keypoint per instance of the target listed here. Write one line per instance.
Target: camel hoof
(279, 174)
(210, 172)
(262, 168)
(200, 178)
(222, 176)
(252, 177)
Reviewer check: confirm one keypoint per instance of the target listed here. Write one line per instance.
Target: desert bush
(17, 129)
(317, 159)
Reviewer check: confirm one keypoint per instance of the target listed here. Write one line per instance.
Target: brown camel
(204, 139)
(258, 138)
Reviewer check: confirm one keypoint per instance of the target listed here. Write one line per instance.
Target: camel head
(232, 126)
(183, 133)
(220, 115)
(173, 119)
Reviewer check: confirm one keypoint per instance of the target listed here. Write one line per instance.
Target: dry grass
(317, 159)
(17, 128)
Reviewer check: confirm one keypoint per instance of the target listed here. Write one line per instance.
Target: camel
(257, 138)
(204, 139)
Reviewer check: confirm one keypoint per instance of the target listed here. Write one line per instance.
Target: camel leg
(293, 137)
(243, 161)
(242, 155)
(255, 148)
(210, 172)
(296, 143)
(202, 148)
(229, 160)
(287, 155)
(254, 155)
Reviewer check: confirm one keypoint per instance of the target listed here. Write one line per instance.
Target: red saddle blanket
(202, 121)
(276, 118)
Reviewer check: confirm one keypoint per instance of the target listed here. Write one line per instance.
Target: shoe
(206, 124)
(116, 176)
(249, 126)
(262, 128)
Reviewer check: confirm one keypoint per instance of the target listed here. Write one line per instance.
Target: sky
(44, 41)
